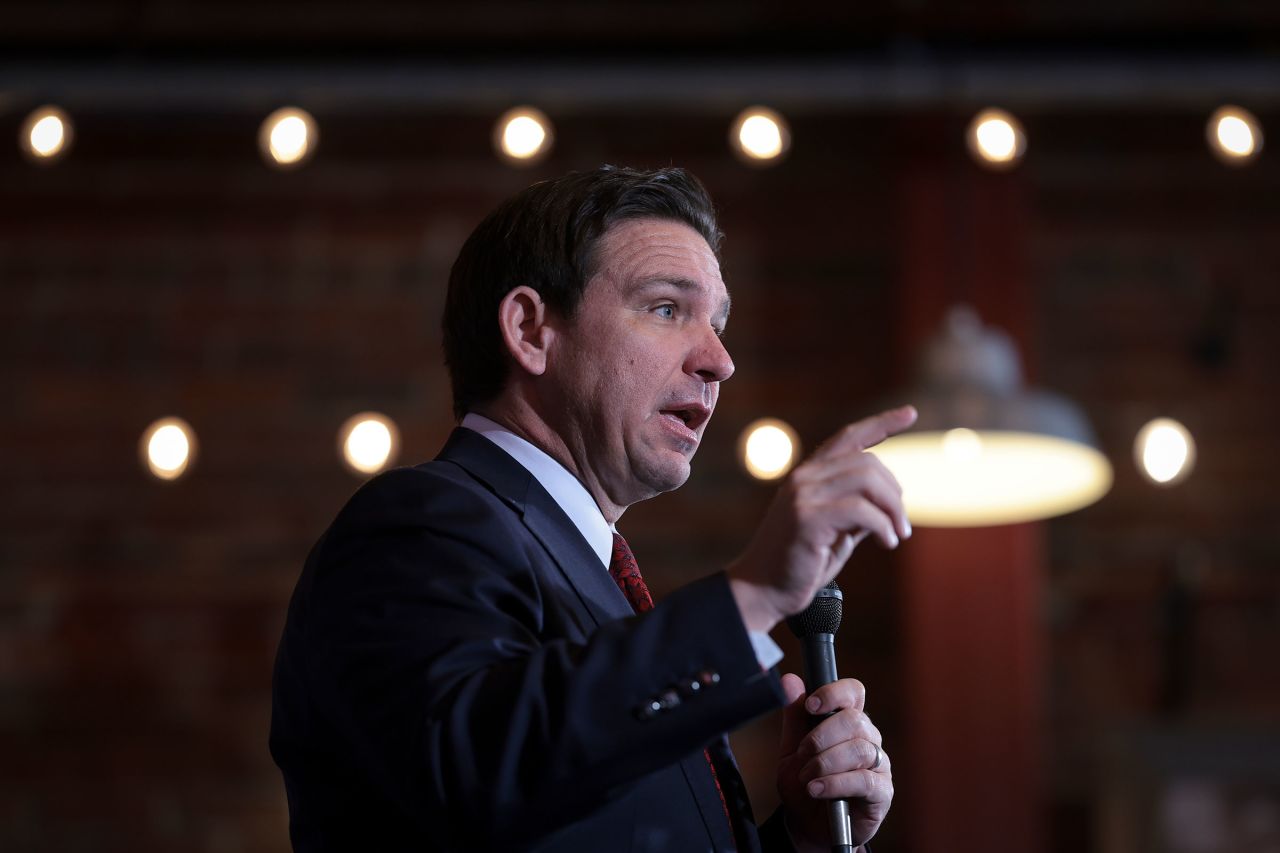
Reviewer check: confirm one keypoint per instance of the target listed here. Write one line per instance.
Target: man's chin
(670, 474)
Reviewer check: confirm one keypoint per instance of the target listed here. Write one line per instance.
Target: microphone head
(823, 614)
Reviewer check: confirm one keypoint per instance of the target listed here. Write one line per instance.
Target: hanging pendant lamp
(985, 450)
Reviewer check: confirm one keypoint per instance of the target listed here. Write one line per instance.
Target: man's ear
(522, 318)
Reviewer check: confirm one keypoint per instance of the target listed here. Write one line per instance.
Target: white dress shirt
(572, 497)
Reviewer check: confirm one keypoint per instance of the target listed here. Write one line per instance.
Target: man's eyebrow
(675, 281)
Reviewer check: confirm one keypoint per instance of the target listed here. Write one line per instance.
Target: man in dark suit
(471, 660)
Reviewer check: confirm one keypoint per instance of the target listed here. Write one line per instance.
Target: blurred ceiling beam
(798, 85)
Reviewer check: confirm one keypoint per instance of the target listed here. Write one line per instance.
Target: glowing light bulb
(760, 135)
(1165, 451)
(961, 445)
(45, 134)
(288, 137)
(168, 447)
(1235, 136)
(369, 442)
(996, 139)
(523, 135)
(769, 448)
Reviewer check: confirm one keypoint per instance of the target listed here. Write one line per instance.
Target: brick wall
(162, 269)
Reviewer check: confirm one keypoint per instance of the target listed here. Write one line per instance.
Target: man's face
(637, 371)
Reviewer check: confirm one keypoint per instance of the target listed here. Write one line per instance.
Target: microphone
(815, 627)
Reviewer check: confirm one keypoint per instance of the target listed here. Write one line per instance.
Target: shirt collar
(564, 488)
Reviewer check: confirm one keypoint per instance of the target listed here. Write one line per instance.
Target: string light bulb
(1235, 135)
(168, 448)
(1165, 451)
(760, 136)
(523, 136)
(768, 448)
(46, 134)
(288, 137)
(368, 442)
(995, 139)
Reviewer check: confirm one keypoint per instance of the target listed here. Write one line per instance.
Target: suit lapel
(601, 597)
(512, 482)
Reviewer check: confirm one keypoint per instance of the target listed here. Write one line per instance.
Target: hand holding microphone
(831, 752)
(834, 776)
(815, 627)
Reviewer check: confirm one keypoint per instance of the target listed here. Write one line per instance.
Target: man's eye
(667, 311)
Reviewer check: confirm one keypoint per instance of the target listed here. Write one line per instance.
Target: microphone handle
(819, 660)
(820, 669)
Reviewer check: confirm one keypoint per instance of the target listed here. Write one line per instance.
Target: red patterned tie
(626, 574)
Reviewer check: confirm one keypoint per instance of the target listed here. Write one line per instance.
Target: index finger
(869, 432)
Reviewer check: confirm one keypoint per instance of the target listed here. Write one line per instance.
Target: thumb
(795, 719)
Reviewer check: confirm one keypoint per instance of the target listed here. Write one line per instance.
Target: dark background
(162, 268)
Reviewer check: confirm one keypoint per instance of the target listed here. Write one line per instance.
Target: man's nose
(709, 359)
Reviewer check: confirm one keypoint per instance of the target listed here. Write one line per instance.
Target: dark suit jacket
(459, 672)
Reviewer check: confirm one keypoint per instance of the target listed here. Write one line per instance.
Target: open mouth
(692, 416)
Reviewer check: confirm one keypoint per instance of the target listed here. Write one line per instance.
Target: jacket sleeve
(432, 653)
